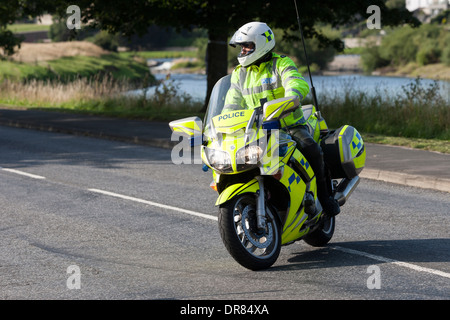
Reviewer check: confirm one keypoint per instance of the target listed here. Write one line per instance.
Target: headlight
(219, 160)
(249, 155)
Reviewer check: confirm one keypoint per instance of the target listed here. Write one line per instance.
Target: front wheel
(253, 249)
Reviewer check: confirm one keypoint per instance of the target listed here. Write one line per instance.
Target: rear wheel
(253, 249)
(323, 234)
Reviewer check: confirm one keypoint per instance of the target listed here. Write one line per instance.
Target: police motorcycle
(267, 192)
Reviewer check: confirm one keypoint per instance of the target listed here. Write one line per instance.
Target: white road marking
(34, 176)
(388, 260)
(346, 250)
(117, 195)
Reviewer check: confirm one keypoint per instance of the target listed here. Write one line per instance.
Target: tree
(13, 10)
(222, 18)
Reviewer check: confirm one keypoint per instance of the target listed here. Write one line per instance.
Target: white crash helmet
(258, 33)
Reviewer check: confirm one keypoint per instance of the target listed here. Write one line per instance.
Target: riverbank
(435, 71)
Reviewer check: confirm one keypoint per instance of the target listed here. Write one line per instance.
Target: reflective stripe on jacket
(273, 79)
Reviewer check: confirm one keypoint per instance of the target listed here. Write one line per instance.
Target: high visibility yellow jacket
(273, 79)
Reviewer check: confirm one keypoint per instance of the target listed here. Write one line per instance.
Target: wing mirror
(278, 108)
(190, 127)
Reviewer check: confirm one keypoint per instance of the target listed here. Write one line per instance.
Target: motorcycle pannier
(344, 152)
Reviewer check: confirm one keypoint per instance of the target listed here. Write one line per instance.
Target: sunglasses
(248, 45)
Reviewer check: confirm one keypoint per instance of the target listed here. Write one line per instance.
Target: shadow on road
(411, 251)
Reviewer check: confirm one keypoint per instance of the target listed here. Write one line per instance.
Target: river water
(195, 84)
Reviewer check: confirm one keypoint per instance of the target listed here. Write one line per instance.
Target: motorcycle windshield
(232, 140)
(218, 120)
(216, 102)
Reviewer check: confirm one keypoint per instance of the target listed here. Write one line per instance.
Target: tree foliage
(402, 45)
(13, 10)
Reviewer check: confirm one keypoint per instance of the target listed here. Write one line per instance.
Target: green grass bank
(66, 69)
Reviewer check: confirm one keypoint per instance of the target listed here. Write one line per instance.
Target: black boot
(329, 205)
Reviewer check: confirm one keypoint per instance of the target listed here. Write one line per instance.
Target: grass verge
(436, 145)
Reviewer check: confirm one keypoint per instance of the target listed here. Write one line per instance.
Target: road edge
(411, 180)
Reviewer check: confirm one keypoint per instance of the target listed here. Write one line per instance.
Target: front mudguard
(236, 189)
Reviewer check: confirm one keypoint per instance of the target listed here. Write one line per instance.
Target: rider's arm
(293, 84)
(292, 80)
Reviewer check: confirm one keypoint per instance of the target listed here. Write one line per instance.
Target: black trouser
(313, 153)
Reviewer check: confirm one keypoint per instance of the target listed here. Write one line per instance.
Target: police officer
(262, 74)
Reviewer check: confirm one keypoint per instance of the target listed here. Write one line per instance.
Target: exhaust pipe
(345, 189)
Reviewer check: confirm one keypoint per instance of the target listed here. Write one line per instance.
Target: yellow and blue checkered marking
(304, 163)
(269, 35)
(356, 144)
(291, 180)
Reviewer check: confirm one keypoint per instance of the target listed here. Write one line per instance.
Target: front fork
(260, 206)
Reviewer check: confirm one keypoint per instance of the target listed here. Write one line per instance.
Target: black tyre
(323, 234)
(237, 224)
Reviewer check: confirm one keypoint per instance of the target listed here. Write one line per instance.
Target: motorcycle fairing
(236, 189)
(297, 182)
(303, 165)
(296, 213)
(284, 146)
(232, 121)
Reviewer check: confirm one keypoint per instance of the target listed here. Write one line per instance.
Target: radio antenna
(313, 90)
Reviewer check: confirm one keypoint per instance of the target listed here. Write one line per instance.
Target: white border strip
(399, 263)
(34, 176)
(117, 195)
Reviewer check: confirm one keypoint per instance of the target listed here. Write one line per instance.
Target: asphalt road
(85, 218)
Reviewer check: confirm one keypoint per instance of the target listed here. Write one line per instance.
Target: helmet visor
(247, 48)
(233, 41)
